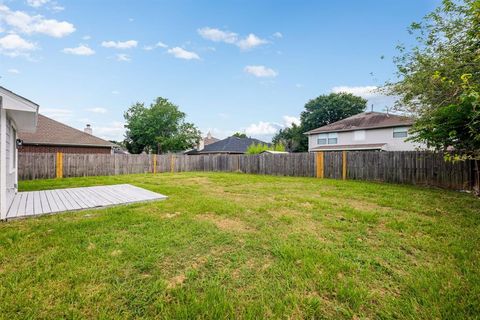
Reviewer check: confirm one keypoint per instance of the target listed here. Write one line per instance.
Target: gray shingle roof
(51, 132)
(365, 120)
(231, 145)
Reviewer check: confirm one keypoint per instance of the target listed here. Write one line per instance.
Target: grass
(246, 246)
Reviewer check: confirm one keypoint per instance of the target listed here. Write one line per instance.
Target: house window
(359, 135)
(327, 138)
(400, 132)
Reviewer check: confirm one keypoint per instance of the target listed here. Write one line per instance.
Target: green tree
(447, 48)
(257, 148)
(159, 128)
(239, 135)
(439, 80)
(292, 138)
(319, 112)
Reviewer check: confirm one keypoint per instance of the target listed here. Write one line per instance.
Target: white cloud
(263, 128)
(13, 45)
(217, 35)
(213, 34)
(81, 50)
(22, 22)
(98, 110)
(62, 115)
(278, 35)
(112, 131)
(160, 44)
(261, 71)
(120, 44)
(123, 57)
(250, 42)
(13, 71)
(157, 45)
(180, 53)
(290, 120)
(86, 37)
(57, 8)
(375, 97)
(37, 3)
(364, 92)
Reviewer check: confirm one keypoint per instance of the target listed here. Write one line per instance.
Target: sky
(232, 66)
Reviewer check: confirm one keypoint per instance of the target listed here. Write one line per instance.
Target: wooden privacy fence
(424, 168)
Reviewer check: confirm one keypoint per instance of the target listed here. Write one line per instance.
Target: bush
(257, 148)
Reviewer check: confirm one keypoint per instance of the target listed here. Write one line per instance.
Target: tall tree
(440, 80)
(159, 128)
(330, 108)
(239, 135)
(318, 112)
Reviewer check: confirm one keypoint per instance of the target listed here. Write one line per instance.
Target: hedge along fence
(423, 168)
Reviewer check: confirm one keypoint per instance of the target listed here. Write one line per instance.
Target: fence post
(172, 164)
(320, 168)
(154, 163)
(59, 164)
(344, 165)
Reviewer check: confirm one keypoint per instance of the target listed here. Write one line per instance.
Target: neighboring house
(206, 141)
(52, 136)
(364, 131)
(230, 145)
(17, 115)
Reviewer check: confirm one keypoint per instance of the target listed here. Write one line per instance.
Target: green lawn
(246, 246)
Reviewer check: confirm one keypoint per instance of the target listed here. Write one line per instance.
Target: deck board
(33, 203)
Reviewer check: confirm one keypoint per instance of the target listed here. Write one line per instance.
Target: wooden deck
(33, 203)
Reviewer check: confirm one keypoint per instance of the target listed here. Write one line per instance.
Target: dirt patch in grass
(226, 224)
(176, 281)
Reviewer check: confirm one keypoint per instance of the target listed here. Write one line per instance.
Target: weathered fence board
(422, 168)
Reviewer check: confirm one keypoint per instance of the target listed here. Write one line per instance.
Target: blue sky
(240, 65)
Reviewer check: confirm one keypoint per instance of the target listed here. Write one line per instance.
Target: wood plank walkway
(33, 203)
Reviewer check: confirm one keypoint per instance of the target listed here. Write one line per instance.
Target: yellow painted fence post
(320, 166)
(344, 165)
(59, 164)
(154, 163)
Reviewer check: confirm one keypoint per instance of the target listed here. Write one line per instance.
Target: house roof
(18, 96)
(51, 132)
(346, 147)
(230, 145)
(209, 139)
(365, 120)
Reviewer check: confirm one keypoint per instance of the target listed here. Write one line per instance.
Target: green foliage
(453, 125)
(159, 128)
(439, 78)
(257, 148)
(292, 138)
(318, 112)
(239, 135)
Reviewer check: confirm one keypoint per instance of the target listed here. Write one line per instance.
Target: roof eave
(67, 144)
(316, 131)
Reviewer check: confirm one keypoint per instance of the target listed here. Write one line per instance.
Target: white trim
(13, 146)
(3, 160)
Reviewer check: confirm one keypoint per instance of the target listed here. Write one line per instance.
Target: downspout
(3, 160)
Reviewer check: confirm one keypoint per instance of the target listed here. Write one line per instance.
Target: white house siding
(381, 135)
(10, 171)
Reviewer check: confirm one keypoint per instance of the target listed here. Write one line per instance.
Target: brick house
(53, 136)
